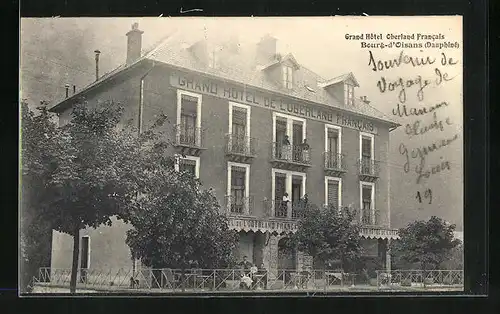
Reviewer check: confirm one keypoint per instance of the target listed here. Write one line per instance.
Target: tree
(426, 243)
(328, 235)
(175, 223)
(38, 162)
(456, 260)
(93, 174)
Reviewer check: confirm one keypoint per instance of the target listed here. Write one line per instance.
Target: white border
(181, 92)
(372, 209)
(197, 165)
(372, 148)
(247, 179)
(249, 112)
(289, 125)
(339, 180)
(288, 180)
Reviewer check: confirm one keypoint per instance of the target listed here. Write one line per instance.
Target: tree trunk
(74, 266)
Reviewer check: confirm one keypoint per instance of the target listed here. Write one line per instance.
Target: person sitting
(246, 282)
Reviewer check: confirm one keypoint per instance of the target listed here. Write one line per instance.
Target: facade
(255, 127)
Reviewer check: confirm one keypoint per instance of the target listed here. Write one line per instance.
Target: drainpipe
(141, 98)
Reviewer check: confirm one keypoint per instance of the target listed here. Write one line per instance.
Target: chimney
(134, 43)
(364, 99)
(67, 90)
(97, 53)
(74, 89)
(266, 50)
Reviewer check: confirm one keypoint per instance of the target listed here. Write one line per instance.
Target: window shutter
(333, 193)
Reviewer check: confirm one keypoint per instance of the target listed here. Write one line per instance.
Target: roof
(341, 78)
(289, 57)
(242, 68)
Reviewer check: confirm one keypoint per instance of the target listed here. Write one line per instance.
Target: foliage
(328, 235)
(38, 160)
(456, 259)
(176, 223)
(87, 170)
(425, 243)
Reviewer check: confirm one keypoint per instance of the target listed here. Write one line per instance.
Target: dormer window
(287, 77)
(349, 94)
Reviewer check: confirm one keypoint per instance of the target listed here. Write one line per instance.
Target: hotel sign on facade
(272, 102)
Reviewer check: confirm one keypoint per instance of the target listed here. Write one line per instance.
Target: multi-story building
(240, 116)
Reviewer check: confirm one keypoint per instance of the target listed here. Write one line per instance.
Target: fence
(174, 280)
(420, 278)
(231, 280)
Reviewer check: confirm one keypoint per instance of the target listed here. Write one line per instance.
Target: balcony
(334, 164)
(188, 140)
(277, 209)
(239, 206)
(240, 148)
(369, 169)
(290, 157)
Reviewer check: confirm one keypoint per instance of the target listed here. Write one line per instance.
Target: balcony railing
(188, 136)
(369, 167)
(240, 145)
(334, 161)
(291, 153)
(239, 206)
(291, 210)
(369, 217)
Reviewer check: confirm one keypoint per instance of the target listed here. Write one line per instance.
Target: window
(293, 184)
(289, 134)
(333, 149)
(367, 202)
(366, 152)
(333, 192)
(190, 164)
(349, 94)
(188, 118)
(288, 77)
(239, 128)
(238, 178)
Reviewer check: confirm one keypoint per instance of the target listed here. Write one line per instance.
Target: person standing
(305, 151)
(285, 148)
(286, 206)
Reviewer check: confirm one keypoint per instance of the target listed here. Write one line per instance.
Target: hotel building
(239, 118)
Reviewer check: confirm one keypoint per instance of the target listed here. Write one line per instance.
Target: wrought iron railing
(242, 145)
(188, 136)
(369, 217)
(239, 206)
(420, 278)
(369, 167)
(291, 153)
(334, 161)
(281, 209)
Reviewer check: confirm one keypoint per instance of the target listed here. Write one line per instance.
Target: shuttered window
(333, 193)
(366, 148)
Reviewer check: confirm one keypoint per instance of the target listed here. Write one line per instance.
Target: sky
(57, 51)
